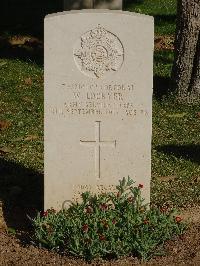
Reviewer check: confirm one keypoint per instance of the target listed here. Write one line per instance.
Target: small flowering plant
(108, 225)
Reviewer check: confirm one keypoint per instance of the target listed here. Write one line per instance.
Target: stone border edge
(100, 11)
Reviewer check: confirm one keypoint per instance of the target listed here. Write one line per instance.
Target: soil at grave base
(184, 250)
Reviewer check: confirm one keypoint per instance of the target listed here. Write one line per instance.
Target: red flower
(140, 186)
(146, 221)
(89, 209)
(130, 199)
(119, 194)
(85, 228)
(103, 207)
(45, 214)
(164, 209)
(114, 221)
(178, 219)
(102, 237)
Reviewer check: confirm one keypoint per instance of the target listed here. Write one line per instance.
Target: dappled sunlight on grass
(164, 13)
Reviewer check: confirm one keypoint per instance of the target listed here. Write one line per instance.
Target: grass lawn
(176, 128)
(164, 13)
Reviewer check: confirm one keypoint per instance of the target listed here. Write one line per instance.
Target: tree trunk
(186, 68)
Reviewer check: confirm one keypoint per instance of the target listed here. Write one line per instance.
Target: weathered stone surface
(91, 4)
(108, 4)
(78, 4)
(98, 102)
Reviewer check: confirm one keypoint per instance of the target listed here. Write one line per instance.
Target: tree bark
(186, 68)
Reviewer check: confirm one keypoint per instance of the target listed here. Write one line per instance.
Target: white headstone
(78, 4)
(91, 4)
(108, 4)
(98, 102)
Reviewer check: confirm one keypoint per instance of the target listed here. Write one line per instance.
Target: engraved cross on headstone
(97, 144)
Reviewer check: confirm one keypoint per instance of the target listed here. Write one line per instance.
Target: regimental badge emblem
(98, 52)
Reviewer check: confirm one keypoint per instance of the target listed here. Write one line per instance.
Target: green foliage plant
(108, 225)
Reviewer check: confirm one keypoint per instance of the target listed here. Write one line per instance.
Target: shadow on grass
(161, 87)
(25, 18)
(189, 152)
(129, 3)
(163, 19)
(164, 57)
(21, 192)
(31, 50)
